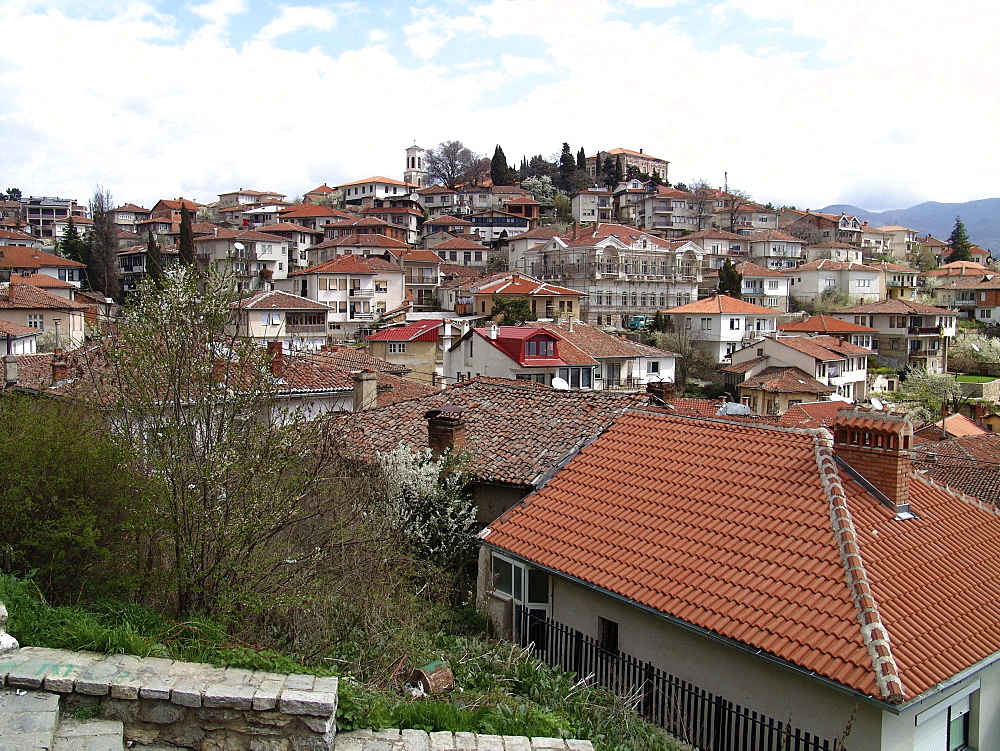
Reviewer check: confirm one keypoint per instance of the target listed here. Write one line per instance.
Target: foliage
(538, 166)
(564, 207)
(542, 188)
(738, 200)
(12, 194)
(71, 245)
(829, 300)
(153, 268)
(185, 241)
(72, 509)
(581, 159)
(975, 346)
(428, 504)
(513, 310)
(102, 263)
(452, 164)
(922, 258)
(730, 280)
(500, 171)
(694, 360)
(924, 395)
(661, 322)
(961, 246)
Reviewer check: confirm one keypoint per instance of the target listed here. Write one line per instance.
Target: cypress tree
(72, 246)
(567, 166)
(186, 240)
(153, 268)
(581, 159)
(500, 171)
(730, 281)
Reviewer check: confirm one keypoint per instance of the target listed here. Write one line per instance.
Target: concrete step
(28, 720)
(89, 735)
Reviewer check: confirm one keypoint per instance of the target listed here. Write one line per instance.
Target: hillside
(981, 218)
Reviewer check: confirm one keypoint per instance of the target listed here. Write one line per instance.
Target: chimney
(876, 446)
(445, 429)
(576, 230)
(662, 390)
(365, 390)
(277, 353)
(60, 370)
(493, 331)
(10, 369)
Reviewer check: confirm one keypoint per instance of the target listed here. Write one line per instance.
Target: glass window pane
(503, 575)
(538, 586)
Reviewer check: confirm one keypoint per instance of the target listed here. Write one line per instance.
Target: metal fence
(697, 717)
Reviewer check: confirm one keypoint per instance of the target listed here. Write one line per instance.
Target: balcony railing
(362, 316)
(362, 293)
(307, 328)
(924, 330)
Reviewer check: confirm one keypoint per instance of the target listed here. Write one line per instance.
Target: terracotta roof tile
(895, 306)
(722, 304)
(824, 324)
(19, 295)
(786, 380)
(20, 257)
(278, 300)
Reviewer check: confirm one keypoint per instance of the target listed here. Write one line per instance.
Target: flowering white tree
(427, 503)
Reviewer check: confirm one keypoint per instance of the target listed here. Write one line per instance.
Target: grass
(499, 688)
(975, 379)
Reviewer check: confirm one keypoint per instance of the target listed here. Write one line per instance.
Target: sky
(876, 103)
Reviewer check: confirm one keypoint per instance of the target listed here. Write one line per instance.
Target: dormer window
(540, 348)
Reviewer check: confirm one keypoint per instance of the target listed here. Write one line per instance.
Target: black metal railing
(703, 720)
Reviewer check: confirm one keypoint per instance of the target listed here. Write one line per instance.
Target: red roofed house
(846, 331)
(775, 249)
(828, 366)
(729, 576)
(401, 211)
(365, 191)
(16, 260)
(721, 325)
(899, 281)
(423, 277)
(862, 283)
(416, 346)
(834, 251)
(438, 200)
(519, 353)
(761, 285)
(273, 316)
(16, 339)
(357, 289)
(257, 258)
(28, 305)
(546, 300)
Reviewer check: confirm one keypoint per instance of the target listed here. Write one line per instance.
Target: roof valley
(873, 631)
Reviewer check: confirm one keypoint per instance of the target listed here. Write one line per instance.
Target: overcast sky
(881, 103)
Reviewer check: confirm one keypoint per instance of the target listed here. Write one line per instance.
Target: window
(35, 321)
(539, 348)
(397, 348)
(946, 726)
(654, 366)
(706, 324)
(269, 318)
(607, 634)
(381, 285)
(577, 378)
(734, 324)
(772, 284)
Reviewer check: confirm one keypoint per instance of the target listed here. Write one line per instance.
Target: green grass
(975, 379)
(499, 688)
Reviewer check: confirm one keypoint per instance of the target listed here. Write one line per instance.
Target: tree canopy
(500, 171)
(452, 164)
(512, 310)
(185, 242)
(102, 265)
(730, 280)
(961, 246)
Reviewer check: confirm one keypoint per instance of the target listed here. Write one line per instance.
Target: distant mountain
(981, 219)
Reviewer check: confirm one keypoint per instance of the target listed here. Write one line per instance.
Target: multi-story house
(904, 240)
(358, 245)
(815, 227)
(875, 242)
(257, 259)
(861, 282)
(20, 261)
(516, 247)
(824, 325)
(323, 193)
(746, 218)
(13, 237)
(311, 215)
(493, 226)
(628, 197)
(592, 205)
(28, 305)
(402, 211)
(366, 225)
(910, 334)
(900, 281)
(249, 198)
(957, 292)
(462, 250)
(274, 316)
(438, 200)
(547, 300)
(938, 248)
(360, 192)
(423, 277)
(128, 216)
(644, 163)
(765, 287)
(988, 300)
(720, 245)
(41, 213)
(444, 226)
(668, 212)
(776, 250)
(834, 251)
(720, 325)
(132, 264)
(167, 210)
(621, 271)
(299, 238)
(358, 290)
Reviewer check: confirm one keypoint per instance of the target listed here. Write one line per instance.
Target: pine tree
(153, 268)
(961, 246)
(608, 172)
(186, 240)
(500, 171)
(72, 246)
(730, 281)
(581, 159)
(619, 172)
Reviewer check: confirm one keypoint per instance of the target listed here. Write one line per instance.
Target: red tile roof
(19, 257)
(458, 243)
(375, 179)
(367, 240)
(598, 343)
(240, 234)
(46, 282)
(896, 306)
(421, 331)
(278, 300)
(9, 328)
(785, 380)
(825, 264)
(351, 264)
(519, 284)
(739, 529)
(812, 414)
(970, 464)
(418, 255)
(823, 347)
(722, 304)
(311, 209)
(824, 324)
(955, 426)
(18, 295)
(446, 220)
(773, 235)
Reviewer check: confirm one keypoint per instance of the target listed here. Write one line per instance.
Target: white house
(258, 259)
(862, 283)
(273, 316)
(721, 325)
(776, 250)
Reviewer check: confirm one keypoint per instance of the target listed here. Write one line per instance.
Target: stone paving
(27, 720)
(417, 740)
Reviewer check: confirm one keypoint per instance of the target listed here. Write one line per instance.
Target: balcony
(362, 293)
(355, 316)
(306, 328)
(924, 331)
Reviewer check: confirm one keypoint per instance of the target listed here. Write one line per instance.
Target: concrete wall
(729, 672)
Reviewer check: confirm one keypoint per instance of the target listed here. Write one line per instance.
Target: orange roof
(825, 264)
(956, 426)
(516, 284)
(722, 304)
(46, 282)
(448, 220)
(459, 243)
(822, 347)
(726, 526)
(18, 295)
(812, 414)
(19, 257)
(827, 325)
(375, 179)
(785, 380)
(895, 306)
(350, 264)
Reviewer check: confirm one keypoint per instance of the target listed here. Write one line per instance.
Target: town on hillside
(737, 463)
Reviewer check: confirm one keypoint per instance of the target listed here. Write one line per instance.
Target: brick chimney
(365, 390)
(662, 390)
(277, 353)
(9, 369)
(876, 446)
(445, 429)
(60, 370)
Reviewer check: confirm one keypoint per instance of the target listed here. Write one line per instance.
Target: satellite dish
(239, 246)
(976, 347)
(560, 384)
(878, 403)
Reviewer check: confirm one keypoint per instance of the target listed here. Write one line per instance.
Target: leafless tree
(735, 202)
(102, 270)
(452, 164)
(704, 202)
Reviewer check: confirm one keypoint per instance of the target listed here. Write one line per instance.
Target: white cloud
(377, 35)
(295, 18)
(524, 66)
(217, 12)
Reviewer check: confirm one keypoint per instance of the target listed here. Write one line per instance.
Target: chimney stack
(9, 369)
(60, 370)
(445, 429)
(662, 390)
(493, 331)
(365, 390)
(277, 353)
(876, 445)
